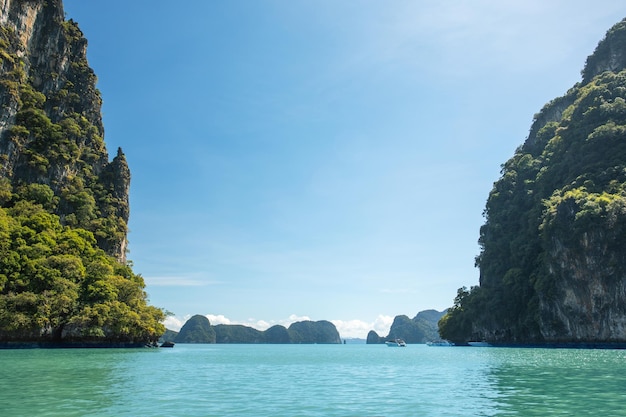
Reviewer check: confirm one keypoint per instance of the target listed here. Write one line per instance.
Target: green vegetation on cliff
(57, 285)
(55, 137)
(63, 205)
(313, 332)
(552, 265)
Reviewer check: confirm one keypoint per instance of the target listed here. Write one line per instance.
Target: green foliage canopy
(565, 183)
(57, 285)
(63, 206)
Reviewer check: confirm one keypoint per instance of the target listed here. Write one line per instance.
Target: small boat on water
(167, 344)
(396, 343)
(479, 344)
(439, 343)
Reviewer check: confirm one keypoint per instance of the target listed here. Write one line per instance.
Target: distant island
(198, 329)
(420, 329)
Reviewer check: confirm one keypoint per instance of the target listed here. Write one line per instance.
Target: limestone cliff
(553, 259)
(420, 329)
(51, 130)
(64, 279)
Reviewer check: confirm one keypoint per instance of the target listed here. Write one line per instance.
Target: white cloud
(264, 324)
(175, 323)
(382, 324)
(360, 328)
(294, 318)
(219, 319)
(261, 324)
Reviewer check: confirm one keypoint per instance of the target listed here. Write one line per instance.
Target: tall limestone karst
(51, 129)
(64, 207)
(553, 258)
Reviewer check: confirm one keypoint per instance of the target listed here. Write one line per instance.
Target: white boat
(439, 343)
(396, 343)
(479, 344)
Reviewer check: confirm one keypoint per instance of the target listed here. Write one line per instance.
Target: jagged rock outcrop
(420, 329)
(373, 338)
(553, 259)
(51, 130)
(609, 55)
(197, 329)
(322, 332)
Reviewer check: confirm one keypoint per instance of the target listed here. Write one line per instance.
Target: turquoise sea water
(312, 380)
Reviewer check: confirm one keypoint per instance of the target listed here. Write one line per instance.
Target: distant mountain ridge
(198, 329)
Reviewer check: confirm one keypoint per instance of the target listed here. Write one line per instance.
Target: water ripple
(312, 380)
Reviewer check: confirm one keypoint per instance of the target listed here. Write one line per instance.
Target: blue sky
(323, 160)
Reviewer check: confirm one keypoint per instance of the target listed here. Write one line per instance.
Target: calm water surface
(312, 380)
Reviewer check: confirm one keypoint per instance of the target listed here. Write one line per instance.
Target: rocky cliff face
(553, 259)
(63, 205)
(610, 54)
(588, 267)
(51, 130)
(583, 229)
